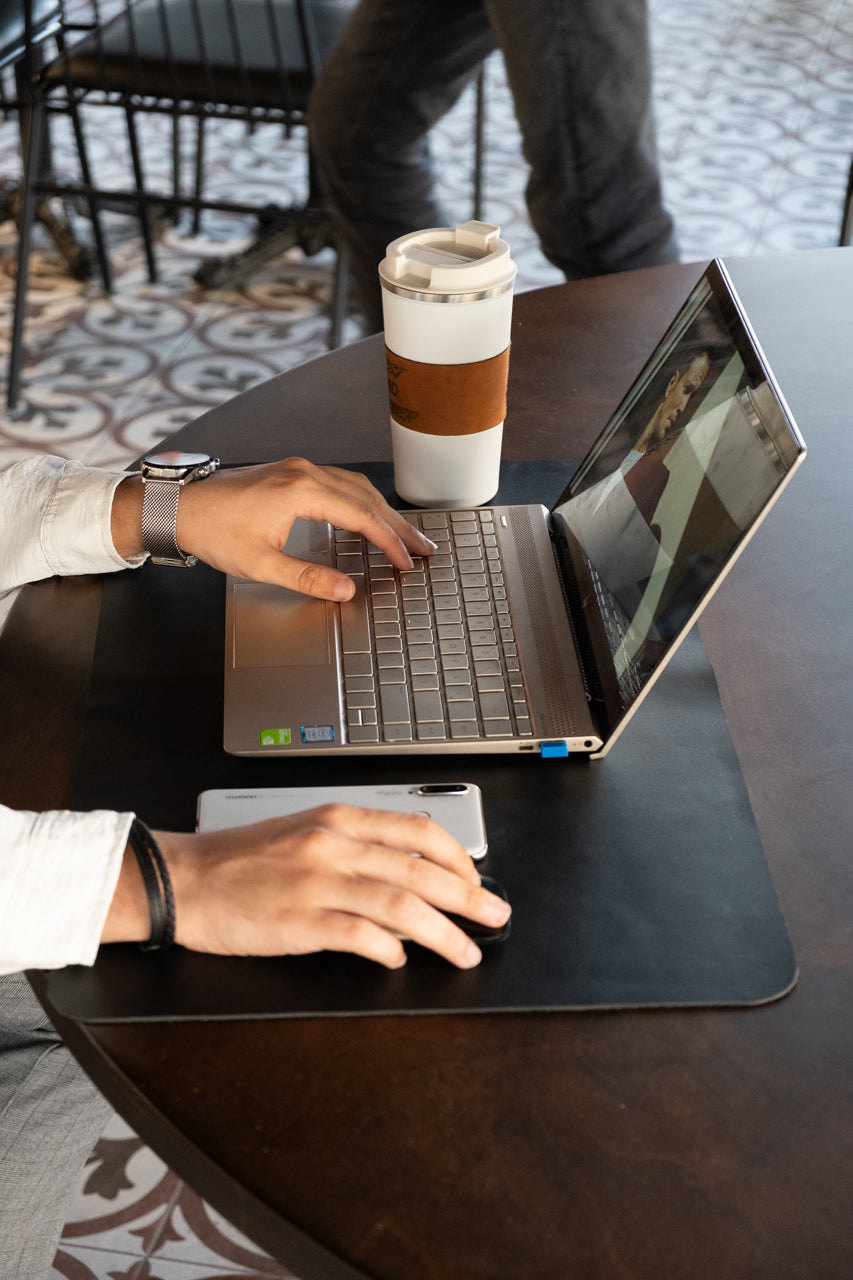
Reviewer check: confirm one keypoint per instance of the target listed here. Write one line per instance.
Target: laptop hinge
(577, 622)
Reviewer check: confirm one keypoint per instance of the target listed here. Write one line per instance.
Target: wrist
(126, 518)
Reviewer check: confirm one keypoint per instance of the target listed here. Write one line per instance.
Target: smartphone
(456, 806)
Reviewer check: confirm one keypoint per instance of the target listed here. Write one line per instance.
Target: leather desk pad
(637, 880)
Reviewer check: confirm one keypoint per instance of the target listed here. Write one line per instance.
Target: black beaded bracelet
(158, 886)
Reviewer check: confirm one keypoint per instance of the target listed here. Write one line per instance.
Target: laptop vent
(556, 693)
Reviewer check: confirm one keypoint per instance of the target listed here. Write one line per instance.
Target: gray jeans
(580, 74)
(51, 1116)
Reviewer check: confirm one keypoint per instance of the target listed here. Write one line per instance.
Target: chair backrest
(25, 23)
(250, 54)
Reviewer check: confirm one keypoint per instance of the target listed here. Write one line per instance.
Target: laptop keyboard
(430, 654)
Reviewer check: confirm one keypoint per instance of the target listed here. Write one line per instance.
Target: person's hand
(336, 878)
(238, 520)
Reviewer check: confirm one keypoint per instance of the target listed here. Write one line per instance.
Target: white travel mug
(447, 306)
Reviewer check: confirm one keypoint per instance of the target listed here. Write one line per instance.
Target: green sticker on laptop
(274, 738)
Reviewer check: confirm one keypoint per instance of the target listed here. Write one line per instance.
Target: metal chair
(250, 60)
(846, 236)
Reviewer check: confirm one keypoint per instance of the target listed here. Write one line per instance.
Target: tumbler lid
(449, 264)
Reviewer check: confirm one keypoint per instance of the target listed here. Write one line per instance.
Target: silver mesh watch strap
(160, 521)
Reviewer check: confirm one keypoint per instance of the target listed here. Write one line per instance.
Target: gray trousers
(580, 75)
(51, 1116)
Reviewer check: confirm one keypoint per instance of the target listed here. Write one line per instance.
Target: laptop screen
(671, 490)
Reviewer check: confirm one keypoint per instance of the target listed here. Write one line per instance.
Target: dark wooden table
(655, 1144)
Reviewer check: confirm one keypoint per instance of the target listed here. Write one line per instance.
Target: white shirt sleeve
(55, 519)
(58, 873)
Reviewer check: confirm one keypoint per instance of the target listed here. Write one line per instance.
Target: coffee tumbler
(447, 306)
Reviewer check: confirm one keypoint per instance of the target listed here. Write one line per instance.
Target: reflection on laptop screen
(691, 458)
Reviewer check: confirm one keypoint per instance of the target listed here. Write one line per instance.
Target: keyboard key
(454, 661)
(389, 660)
(462, 711)
(464, 729)
(363, 733)
(458, 690)
(451, 646)
(426, 731)
(386, 629)
(490, 684)
(428, 706)
(487, 667)
(358, 664)
(356, 700)
(437, 573)
(425, 680)
(398, 732)
(355, 630)
(412, 578)
(391, 675)
(384, 614)
(433, 520)
(423, 666)
(421, 651)
(358, 684)
(494, 706)
(523, 725)
(480, 652)
(469, 578)
(497, 728)
(444, 592)
(466, 539)
(478, 608)
(447, 615)
(395, 704)
(451, 631)
(389, 644)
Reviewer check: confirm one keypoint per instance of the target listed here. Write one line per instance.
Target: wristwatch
(164, 475)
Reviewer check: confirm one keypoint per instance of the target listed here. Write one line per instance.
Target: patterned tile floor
(755, 117)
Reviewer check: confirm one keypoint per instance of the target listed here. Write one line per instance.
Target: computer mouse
(481, 933)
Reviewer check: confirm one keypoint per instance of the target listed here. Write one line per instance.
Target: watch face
(177, 458)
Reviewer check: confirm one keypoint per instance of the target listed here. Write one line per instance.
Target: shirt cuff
(59, 872)
(76, 535)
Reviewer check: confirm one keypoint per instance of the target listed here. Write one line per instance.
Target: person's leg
(51, 1116)
(400, 65)
(580, 74)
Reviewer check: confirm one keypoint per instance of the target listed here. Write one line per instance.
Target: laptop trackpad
(276, 627)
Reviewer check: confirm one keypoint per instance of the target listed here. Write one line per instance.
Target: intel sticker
(318, 733)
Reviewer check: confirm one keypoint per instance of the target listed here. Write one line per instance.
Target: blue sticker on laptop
(318, 733)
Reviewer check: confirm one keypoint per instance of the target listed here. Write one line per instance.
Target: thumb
(318, 580)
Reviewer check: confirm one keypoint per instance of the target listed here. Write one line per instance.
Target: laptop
(531, 629)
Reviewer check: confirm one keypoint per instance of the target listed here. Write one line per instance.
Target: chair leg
(143, 206)
(94, 208)
(199, 175)
(340, 298)
(846, 237)
(479, 143)
(32, 126)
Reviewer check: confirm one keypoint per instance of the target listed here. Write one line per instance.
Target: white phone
(456, 806)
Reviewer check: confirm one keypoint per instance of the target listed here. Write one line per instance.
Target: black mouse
(483, 933)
